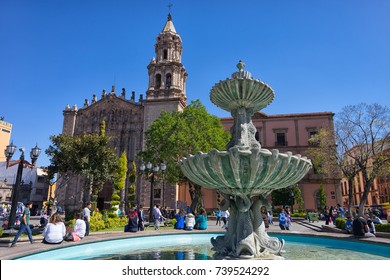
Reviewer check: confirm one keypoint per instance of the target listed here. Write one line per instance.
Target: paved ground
(299, 227)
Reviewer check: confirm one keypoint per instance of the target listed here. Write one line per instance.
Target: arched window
(168, 80)
(158, 81)
(165, 55)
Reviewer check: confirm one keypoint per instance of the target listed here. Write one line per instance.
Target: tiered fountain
(245, 174)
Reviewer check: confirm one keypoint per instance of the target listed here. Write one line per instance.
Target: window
(165, 56)
(168, 81)
(157, 193)
(312, 132)
(281, 140)
(158, 81)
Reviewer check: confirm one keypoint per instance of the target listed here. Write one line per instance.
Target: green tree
(131, 191)
(177, 134)
(322, 197)
(119, 184)
(87, 155)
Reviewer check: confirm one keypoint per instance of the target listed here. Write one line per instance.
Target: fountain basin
(153, 247)
(245, 172)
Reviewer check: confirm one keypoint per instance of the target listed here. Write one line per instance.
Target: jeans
(87, 226)
(156, 222)
(23, 227)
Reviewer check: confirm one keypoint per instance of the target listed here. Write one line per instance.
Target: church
(127, 119)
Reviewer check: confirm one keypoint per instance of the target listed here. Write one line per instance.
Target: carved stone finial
(104, 93)
(241, 65)
(86, 102)
(123, 92)
(112, 88)
(94, 98)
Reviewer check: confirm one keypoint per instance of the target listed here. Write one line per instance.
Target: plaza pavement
(298, 227)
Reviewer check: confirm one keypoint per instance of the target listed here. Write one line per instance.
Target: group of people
(189, 221)
(222, 215)
(136, 220)
(55, 231)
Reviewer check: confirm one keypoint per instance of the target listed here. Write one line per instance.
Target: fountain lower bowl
(245, 172)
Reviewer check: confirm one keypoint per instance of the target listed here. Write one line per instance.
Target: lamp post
(8, 152)
(291, 198)
(151, 171)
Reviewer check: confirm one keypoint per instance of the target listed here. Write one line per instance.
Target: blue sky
(317, 55)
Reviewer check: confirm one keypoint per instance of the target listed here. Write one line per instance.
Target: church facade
(127, 119)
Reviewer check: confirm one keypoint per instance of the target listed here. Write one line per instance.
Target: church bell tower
(167, 76)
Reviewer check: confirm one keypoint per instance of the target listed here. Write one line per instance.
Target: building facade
(128, 119)
(34, 185)
(5, 136)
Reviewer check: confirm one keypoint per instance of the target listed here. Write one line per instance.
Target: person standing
(224, 216)
(218, 217)
(157, 216)
(141, 218)
(24, 225)
(87, 217)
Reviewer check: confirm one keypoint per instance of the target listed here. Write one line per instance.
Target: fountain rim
(323, 235)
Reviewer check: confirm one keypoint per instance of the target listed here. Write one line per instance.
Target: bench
(313, 217)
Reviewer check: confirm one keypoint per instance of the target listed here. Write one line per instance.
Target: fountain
(244, 174)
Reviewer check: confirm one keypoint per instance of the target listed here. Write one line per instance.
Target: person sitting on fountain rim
(201, 220)
(360, 228)
(189, 221)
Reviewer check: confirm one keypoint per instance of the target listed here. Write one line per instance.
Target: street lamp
(151, 171)
(8, 152)
(291, 198)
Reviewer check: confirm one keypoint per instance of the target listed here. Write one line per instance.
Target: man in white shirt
(224, 216)
(87, 217)
(156, 216)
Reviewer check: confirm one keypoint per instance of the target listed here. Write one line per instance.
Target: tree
(322, 197)
(117, 198)
(88, 155)
(177, 134)
(328, 162)
(362, 138)
(131, 190)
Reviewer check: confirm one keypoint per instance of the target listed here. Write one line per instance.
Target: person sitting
(264, 214)
(283, 220)
(132, 225)
(348, 225)
(377, 220)
(55, 230)
(360, 228)
(180, 220)
(189, 221)
(371, 226)
(79, 229)
(201, 220)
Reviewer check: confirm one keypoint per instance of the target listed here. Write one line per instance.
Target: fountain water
(245, 174)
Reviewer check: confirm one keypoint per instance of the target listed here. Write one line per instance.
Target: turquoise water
(197, 246)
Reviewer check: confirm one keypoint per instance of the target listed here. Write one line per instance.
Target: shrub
(382, 227)
(340, 223)
(1, 231)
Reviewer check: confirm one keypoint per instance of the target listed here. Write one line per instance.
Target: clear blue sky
(317, 55)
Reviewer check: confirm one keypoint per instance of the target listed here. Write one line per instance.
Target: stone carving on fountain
(245, 174)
